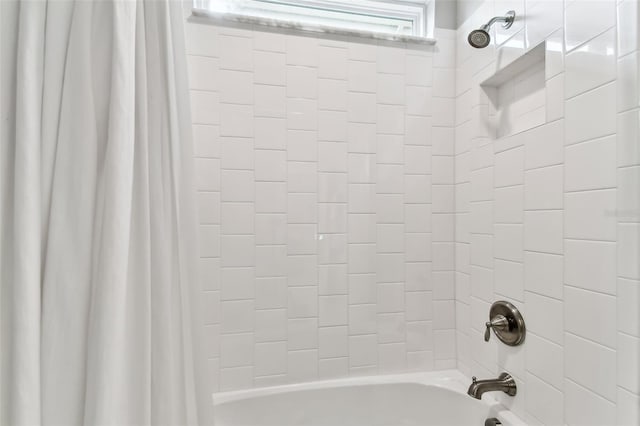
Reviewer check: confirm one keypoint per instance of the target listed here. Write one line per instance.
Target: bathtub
(425, 399)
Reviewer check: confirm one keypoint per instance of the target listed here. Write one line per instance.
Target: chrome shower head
(480, 38)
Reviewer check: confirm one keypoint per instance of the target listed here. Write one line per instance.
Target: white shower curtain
(97, 237)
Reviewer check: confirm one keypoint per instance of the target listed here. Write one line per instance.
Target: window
(401, 18)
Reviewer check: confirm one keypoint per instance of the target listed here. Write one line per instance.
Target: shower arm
(507, 19)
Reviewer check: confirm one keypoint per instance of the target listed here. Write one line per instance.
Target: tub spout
(504, 383)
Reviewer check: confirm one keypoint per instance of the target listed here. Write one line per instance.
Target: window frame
(419, 12)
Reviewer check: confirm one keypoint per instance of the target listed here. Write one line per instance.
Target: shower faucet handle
(499, 322)
(506, 322)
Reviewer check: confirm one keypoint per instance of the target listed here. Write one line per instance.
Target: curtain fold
(100, 315)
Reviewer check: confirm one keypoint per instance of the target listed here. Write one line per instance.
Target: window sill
(277, 24)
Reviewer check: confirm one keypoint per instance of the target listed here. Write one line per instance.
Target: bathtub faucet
(504, 383)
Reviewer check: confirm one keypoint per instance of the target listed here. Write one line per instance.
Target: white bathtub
(425, 399)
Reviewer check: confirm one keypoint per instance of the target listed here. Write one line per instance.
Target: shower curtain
(98, 315)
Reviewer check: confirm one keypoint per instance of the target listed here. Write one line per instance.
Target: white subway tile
(205, 107)
(269, 101)
(543, 188)
(236, 120)
(628, 194)
(302, 177)
(589, 215)
(629, 250)
(508, 242)
(509, 279)
(418, 130)
(509, 204)
(628, 353)
(333, 342)
(271, 228)
(580, 358)
(302, 208)
(362, 76)
(198, 38)
(509, 166)
(238, 87)
(270, 358)
(361, 137)
(302, 366)
(591, 165)
(269, 42)
(628, 82)
(270, 293)
(209, 241)
(585, 21)
(590, 265)
(584, 407)
(236, 350)
(332, 62)
(271, 133)
(302, 82)
(628, 413)
(270, 165)
(237, 250)
(236, 283)
(418, 305)
(391, 60)
(543, 273)
(302, 270)
(236, 53)
(302, 239)
(591, 115)
(545, 317)
(628, 293)
(579, 307)
(390, 89)
(591, 64)
(271, 197)
(303, 302)
(543, 231)
(237, 218)
(363, 350)
(555, 98)
(271, 325)
(390, 119)
(543, 359)
(302, 333)
(392, 357)
(302, 114)
(391, 327)
(419, 70)
(419, 336)
(544, 145)
(333, 367)
(203, 73)
(391, 297)
(302, 51)
(332, 310)
(418, 160)
(332, 94)
(419, 101)
(543, 401)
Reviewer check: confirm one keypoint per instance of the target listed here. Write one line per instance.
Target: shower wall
(548, 216)
(325, 184)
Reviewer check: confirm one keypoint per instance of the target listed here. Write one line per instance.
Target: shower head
(480, 38)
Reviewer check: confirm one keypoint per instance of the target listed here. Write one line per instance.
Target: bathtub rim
(451, 380)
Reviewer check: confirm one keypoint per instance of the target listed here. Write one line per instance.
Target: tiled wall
(325, 182)
(548, 218)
